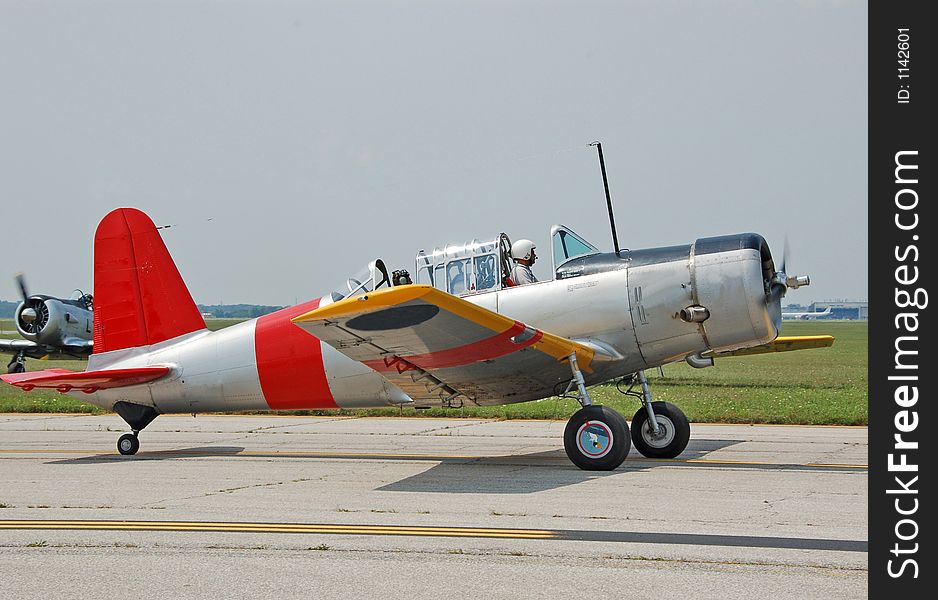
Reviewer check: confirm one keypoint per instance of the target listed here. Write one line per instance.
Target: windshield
(568, 245)
(368, 279)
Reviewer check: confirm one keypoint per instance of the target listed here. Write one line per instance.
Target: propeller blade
(776, 292)
(21, 281)
(785, 253)
(779, 283)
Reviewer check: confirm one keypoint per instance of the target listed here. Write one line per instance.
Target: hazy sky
(317, 136)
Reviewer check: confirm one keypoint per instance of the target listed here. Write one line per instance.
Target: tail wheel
(673, 431)
(128, 444)
(596, 438)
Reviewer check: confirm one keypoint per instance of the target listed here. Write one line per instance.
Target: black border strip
(900, 108)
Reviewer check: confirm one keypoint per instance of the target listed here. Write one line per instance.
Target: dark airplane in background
(50, 326)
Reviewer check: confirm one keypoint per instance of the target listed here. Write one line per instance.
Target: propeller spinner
(35, 314)
(781, 282)
(779, 285)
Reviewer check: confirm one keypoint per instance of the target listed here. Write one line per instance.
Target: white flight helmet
(522, 249)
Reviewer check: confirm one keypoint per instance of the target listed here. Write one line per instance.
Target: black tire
(675, 435)
(128, 444)
(602, 427)
(16, 367)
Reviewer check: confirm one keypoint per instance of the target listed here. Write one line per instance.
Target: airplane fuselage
(380, 340)
(627, 306)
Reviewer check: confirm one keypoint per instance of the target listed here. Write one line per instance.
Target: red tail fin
(139, 296)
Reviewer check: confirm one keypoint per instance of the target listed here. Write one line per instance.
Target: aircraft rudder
(140, 298)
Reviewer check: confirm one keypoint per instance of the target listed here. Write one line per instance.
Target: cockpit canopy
(462, 270)
(468, 268)
(484, 266)
(370, 278)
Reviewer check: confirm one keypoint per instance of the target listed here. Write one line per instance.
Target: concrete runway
(249, 507)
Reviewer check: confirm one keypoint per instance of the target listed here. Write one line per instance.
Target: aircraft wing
(782, 344)
(80, 349)
(441, 349)
(28, 348)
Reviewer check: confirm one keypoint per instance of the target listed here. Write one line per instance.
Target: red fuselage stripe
(487, 349)
(289, 362)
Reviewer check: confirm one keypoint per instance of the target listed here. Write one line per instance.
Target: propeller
(35, 313)
(786, 250)
(781, 282)
(21, 282)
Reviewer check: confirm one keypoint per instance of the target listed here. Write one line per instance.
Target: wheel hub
(665, 432)
(594, 439)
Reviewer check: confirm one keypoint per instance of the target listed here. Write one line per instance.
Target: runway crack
(233, 490)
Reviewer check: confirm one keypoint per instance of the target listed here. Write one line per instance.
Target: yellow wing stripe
(560, 348)
(362, 304)
(821, 341)
(405, 293)
(552, 345)
(782, 344)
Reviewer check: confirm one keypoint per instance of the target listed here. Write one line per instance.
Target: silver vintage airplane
(460, 335)
(50, 326)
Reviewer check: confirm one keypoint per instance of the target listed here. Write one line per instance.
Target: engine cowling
(731, 276)
(52, 322)
(713, 294)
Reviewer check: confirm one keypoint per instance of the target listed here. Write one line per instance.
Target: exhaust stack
(695, 314)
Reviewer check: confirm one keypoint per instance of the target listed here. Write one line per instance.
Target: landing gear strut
(596, 438)
(137, 416)
(659, 429)
(17, 364)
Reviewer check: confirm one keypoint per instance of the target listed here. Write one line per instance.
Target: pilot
(522, 251)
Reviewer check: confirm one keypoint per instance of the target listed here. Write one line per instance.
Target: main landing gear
(597, 438)
(659, 429)
(137, 416)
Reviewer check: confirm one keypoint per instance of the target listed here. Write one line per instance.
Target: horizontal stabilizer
(782, 344)
(85, 381)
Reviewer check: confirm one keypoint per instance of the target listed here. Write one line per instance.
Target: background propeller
(21, 283)
(35, 314)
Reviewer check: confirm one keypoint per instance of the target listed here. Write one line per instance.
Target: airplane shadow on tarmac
(153, 455)
(511, 474)
(526, 473)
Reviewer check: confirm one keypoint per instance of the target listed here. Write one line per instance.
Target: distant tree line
(7, 309)
(221, 311)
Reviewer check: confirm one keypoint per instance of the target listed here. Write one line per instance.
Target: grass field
(818, 387)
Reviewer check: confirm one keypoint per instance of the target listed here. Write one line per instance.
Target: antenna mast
(612, 219)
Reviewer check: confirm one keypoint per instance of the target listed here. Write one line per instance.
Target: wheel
(128, 444)
(674, 431)
(596, 438)
(16, 366)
